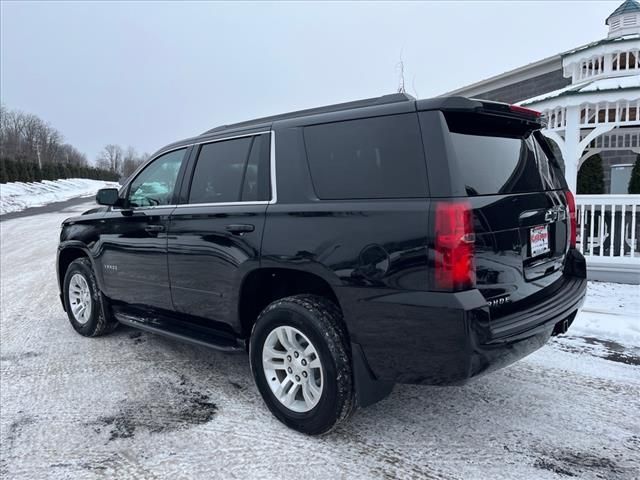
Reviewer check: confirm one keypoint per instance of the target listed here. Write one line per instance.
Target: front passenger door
(133, 250)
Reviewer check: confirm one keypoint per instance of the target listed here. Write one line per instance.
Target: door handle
(239, 229)
(154, 228)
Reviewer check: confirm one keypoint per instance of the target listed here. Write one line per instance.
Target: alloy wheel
(293, 369)
(80, 298)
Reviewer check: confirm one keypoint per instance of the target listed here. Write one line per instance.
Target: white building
(590, 97)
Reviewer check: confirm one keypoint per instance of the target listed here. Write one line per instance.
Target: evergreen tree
(591, 176)
(634, 181)
(37, 173)
(48, 172)
(12, 173)
(22, 172)
(4, 178)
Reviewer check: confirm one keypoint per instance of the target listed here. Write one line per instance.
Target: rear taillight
(571, 203)
(454, 246)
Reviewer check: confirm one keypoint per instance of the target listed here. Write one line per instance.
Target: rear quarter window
(500, 156)
(378, 157)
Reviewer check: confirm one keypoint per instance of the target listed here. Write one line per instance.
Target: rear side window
(499, 156)
(371, 158)
(231, 171)
(255, 185)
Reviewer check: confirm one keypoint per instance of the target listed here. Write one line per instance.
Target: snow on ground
(135, 405)
(16, 196)
(620, 305)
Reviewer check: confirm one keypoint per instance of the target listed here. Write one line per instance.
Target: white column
(571, 147)
(608, 59)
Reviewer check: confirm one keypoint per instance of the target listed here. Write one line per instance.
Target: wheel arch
(264, 285)
(68, 253)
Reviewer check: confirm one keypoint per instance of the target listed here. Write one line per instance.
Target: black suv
(347, 248)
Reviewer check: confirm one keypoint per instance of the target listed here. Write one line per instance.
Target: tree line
(31, 150)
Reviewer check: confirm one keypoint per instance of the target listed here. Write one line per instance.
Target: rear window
(498, 156)
(378, 157)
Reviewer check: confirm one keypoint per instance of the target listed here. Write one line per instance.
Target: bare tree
(4, 128)
(48, 144)
(71, 156)
(130, 162)
(111, 158)
(11, 133)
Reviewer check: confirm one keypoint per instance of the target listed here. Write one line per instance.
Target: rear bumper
(511, 338)
(435, 338)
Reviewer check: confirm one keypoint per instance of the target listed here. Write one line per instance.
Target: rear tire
(312, 363)
(86, 307)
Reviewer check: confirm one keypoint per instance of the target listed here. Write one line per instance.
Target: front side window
(155, 184)
(232, 171)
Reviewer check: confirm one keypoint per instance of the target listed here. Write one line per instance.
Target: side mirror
(107, 196)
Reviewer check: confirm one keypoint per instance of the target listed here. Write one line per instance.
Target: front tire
(301, 363)
(86, 307)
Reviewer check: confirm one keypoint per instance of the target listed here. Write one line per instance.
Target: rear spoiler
(474, 105)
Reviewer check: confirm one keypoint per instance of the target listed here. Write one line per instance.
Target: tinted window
(371, 158)
(232, 170)
(498, 156)
(219, 171)
(156, 183)
(256, 178)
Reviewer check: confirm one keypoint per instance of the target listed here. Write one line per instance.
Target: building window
(620, 176)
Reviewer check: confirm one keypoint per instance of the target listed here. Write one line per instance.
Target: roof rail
(368, 102)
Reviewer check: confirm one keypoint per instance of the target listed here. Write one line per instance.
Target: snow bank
(16, 196)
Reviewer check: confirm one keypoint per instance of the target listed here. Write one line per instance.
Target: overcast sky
(146, 73)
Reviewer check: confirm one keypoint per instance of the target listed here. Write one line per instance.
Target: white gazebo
(595, 112)
(600, 111)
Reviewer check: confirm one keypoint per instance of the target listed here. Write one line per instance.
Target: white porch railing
(616, 114)
(619, 139)
(608, 228)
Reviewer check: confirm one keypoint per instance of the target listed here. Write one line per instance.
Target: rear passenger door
(215, 234)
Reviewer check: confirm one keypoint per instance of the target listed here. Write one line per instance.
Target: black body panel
(133, 253)
(376, 257)
(434, 338)
(208, 258)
